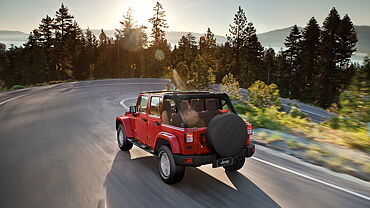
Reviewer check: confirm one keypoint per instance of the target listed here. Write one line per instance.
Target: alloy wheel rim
(165, 164)
(120, 138)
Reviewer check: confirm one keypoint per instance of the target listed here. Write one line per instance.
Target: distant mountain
(274, 39)
(7, 35)
(363, 35)
(173, 37)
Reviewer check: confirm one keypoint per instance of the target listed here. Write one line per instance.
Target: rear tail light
(224, 111)
(250, 129)
(188, 137)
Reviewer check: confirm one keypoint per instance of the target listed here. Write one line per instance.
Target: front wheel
(167, 168)
(237, 165)
(123, 143)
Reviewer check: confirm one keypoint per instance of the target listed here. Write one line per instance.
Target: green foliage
(243, 109)
(263, 96)
(295, 112)
(202, 73)
(354, 103)
(230, 86)
(17, 87)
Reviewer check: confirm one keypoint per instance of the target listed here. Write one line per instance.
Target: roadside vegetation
(17, 87)
(331, 143)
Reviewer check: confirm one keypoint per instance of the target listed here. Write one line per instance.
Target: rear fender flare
(171, 139)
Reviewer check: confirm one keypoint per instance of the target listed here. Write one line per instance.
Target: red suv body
(175, 123)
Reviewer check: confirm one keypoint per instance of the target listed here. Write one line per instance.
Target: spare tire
(226, 134)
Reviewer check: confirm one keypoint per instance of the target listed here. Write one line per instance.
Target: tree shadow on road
(136, 183)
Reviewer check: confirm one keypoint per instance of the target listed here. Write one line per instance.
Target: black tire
(123, 144)
(226, 134)
(174, 173)
(237, 165)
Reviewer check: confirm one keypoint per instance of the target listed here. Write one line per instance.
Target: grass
(272, 118)
(295, 145)
(352, 162)
(17, 87)
(268, 139)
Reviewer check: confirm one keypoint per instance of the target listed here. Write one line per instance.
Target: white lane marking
(102, 85)
(306, 111)
(124, 100)
(10, 99)
(313, 179)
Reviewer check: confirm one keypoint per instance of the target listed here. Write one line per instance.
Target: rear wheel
(167, 168)
(237, 165)
(123, 143)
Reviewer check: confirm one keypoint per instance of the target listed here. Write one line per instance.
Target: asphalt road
(58, 149)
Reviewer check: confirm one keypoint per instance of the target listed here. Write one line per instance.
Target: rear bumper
(198, 160)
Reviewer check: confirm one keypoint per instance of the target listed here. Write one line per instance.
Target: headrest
(184, 105)
(211, 105)
(197, 105)
(166, 105)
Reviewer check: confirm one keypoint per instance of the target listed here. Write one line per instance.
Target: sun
(141, 10)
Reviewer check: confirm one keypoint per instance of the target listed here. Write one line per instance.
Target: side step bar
(141, 145)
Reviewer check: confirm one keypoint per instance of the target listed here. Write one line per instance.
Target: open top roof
(174, 92)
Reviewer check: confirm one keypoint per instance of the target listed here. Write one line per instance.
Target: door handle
(156, 123)
(144, 119)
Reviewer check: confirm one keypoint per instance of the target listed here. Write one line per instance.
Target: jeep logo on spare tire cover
(226, 134)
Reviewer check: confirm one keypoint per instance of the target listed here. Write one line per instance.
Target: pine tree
(103, 39)
(130, 36)
(226, 58)
(338, 40)
(3, 67)
(201, 73)
(187, 49)
(237, 37)
(159, 23)
(269, 66)
(309, 70)
(253, 52)
(46, 32)
(34, 39)
(63, 21)
(293, 44)
(157, 56)
(347, 42)
(207, 43)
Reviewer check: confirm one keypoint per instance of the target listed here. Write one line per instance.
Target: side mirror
(132, 109)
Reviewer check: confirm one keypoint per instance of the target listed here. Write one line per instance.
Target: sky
(182, 15)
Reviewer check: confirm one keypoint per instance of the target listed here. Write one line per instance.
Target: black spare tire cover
(226, 134)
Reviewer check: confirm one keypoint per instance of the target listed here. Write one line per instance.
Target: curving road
(58, 149)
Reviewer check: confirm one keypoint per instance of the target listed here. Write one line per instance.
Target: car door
(141, 121)
(154, 119)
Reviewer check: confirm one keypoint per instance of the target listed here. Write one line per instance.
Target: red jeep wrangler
(186, 129)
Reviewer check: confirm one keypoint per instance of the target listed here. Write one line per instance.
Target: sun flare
(141, 9)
